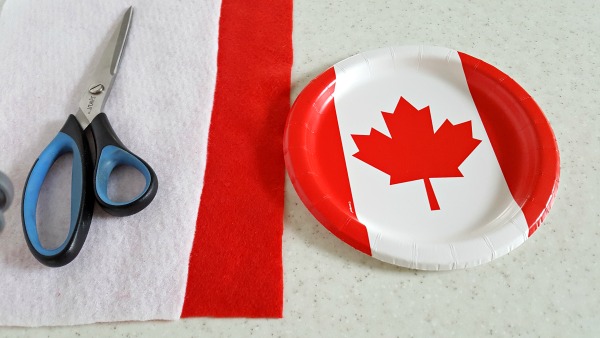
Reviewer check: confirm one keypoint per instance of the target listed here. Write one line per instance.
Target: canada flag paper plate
(423, 157)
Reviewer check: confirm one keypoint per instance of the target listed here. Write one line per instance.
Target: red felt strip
(528, 156)
(236, 265)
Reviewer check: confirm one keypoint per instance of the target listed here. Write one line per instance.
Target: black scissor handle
(111, 153)
(70, 139)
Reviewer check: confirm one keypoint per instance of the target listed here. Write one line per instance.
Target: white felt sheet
(132, 268)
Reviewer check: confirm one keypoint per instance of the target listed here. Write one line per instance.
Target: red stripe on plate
(235, 264)
(521, 136)
(316, 164)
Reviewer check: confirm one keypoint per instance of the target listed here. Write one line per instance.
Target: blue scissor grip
(111, 153)
(69, 140)
(110, 158)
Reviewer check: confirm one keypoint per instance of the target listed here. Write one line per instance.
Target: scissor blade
(101, 79)
(117, 42)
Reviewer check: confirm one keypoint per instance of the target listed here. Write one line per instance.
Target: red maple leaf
(414, 151)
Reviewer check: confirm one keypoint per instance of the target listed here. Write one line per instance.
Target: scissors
(89, 180)
(6, 195)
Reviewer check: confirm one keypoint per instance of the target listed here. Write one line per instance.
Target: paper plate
(422, 156)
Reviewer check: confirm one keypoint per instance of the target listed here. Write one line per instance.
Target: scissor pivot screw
(96, 89)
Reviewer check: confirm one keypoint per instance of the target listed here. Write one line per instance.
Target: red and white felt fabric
(219, 209)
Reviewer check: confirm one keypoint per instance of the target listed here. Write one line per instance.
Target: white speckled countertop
(548, 287)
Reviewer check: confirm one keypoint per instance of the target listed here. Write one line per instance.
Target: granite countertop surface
(548, 287)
